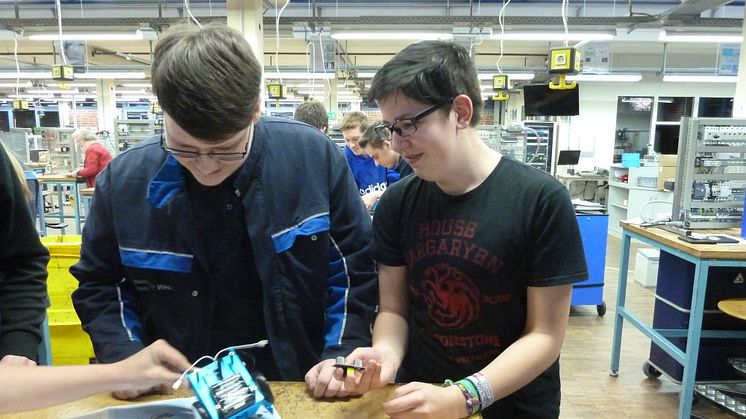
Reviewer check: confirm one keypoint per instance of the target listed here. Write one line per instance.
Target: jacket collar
(170, 177)
(166, 183)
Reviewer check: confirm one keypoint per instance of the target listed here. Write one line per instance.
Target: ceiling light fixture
(298, 75)
(606, 77)
(14, 85)
(511, 76)
(111, 75)
(88, 36)
(410, 36)
(49, 91)
(26, 75)
(691, 78)
(712, 38)
(553, 36)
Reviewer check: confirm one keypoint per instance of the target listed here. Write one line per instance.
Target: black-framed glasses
(407, 126)
(187, 154)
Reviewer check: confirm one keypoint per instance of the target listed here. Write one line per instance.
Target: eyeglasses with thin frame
(407, 126)
(187, 154)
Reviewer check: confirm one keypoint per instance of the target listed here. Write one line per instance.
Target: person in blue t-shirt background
(371, 180)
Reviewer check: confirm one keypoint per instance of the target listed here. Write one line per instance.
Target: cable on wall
(564, 21)
(501, 21)
(277, 37)
(189, 13)
(311, 63)
(59, 25)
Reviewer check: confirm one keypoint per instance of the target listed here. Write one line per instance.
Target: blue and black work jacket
(143, 273)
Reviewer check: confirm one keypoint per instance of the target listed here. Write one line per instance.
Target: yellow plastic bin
(70, 344)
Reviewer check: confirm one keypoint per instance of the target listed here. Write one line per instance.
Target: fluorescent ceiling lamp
(606, 77)
(30, 96)
(712, 38)
(14, 85)
(272, 75)
(87, 36)
(699, 79)
(411, 36)
(27, 75)
(111, 75)
(511, 76)
(72, 84)
(48, 91)
(553, 36)
(136, 85)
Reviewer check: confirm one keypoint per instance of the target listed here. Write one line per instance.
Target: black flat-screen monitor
(568, 157)
(540, 100)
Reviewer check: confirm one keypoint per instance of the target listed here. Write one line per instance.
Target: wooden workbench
(291, 401)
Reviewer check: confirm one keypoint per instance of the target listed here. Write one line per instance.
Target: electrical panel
(513, 142)
(132, 131)
(62, 151)
(540, 140)
(711, 174)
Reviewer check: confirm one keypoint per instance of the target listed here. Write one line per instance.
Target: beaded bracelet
(471, 396)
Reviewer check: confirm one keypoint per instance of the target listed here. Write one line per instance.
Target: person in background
(476, 256)
(371, 180)
(95, 159)
(380, 151)
(313, 113)
(23, 270)
(228, 228)
(35, 387)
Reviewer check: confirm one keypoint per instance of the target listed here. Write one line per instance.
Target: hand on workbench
(156, 367)
(420, 400)
(378, 371)
(321, 383)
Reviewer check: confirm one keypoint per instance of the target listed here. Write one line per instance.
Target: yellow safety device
(63, 72)
(20, 105)
(564, 61)
(500, 85)
(276, 91)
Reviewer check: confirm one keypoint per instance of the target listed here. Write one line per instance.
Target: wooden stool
(734, 307)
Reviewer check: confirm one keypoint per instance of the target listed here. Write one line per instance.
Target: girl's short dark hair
(207, 79)
(430, 72)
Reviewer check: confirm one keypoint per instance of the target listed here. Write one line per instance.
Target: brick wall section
(88, 119)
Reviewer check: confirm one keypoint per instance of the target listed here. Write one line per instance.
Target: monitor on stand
(569, 158)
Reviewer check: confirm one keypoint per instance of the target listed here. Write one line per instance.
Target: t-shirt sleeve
(386, 246)
(558, 256)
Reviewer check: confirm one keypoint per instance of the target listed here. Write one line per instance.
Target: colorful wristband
(484, 388)
(473, 404)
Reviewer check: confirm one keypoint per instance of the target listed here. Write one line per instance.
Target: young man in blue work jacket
(228, 228)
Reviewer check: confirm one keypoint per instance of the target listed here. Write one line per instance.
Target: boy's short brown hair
(370, 137)
(354, 119)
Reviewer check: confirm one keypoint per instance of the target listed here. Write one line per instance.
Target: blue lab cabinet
(593, 230)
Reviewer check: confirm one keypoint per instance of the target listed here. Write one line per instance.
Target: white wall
(593, 130)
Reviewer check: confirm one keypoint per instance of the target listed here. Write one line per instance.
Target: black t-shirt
(469, 260)
(238, 317)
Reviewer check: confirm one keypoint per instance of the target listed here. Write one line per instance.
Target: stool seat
(735, 307)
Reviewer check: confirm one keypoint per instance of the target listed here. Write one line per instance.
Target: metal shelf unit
(513, 143)
(62, 151)
(540, 140)
(711, 174)
(132, 131)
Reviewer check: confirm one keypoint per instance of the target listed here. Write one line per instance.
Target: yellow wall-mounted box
(500, 82)
(276, 91)
(62, 72)
(565, 60)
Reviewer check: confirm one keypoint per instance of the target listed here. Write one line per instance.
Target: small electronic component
(226, 390)
(349, 369)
